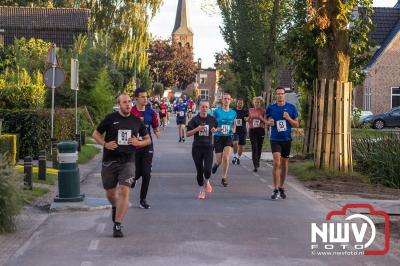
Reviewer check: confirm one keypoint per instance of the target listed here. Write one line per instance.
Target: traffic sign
(59, 77)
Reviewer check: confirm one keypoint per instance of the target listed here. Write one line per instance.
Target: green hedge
(10, 203)
(8, 146)
(34, 127)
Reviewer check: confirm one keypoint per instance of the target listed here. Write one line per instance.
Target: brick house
(380, 91)
(57, 25)
(207, 83)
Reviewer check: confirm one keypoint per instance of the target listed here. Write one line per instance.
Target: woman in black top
(201, 127)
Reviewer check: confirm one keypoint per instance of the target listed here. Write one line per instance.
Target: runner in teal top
(223, 137)
(225, 121)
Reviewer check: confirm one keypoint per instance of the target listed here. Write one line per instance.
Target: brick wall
(381, 77)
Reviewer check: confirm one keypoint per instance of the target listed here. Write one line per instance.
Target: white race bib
(226, 129)
(163, 111)
(205, 131)
(281, 125)
(256, 122)
(123, 136)
(239, 122)
(181, 113)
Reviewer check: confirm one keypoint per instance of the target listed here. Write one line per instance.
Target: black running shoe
(113, 212)
(183, 139)
(234, 160)
(214, 168)
(255, 170)
(133, 183)
(275, 194)
(224, 183)
(237, 161)
(117, 232)
(180, 139)
(282, 193)
(144, 205)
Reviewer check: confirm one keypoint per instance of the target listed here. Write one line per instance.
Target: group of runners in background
(128, 146)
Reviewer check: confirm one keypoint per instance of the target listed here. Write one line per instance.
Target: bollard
(78, 140)
(54, 153)
(68, 173)
(28, 173)
(42, 165)
(83, 137)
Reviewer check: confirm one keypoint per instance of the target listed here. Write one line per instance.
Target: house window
(1, 38)
(204, 94)
(395, 97)
(367, 99)
(203, 78)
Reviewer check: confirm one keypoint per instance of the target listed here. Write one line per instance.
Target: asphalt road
(237, 225)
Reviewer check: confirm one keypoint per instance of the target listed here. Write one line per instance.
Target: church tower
(182, 32)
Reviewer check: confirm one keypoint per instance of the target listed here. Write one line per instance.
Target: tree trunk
(270, 57)
(332, 94)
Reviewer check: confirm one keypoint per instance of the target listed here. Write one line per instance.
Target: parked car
(364, 114)
(387, 119)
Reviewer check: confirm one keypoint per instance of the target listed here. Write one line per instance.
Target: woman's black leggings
(257, 136)
(203, 159)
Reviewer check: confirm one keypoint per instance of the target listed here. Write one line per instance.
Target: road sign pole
(53, 87)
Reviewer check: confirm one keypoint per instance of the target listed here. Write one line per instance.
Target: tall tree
(172, 64)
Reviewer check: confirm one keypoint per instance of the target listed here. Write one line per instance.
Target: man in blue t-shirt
(223, 137)
(281, 116)
(181, 110)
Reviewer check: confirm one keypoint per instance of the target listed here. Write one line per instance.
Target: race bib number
(226, 129)
(205, 131)
(281, 125)
(181, 113)
(239, 122)
(123, 136)
(256, 122)
(163, 111)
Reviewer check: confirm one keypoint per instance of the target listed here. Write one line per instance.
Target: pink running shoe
(208, 187)
(202, 195)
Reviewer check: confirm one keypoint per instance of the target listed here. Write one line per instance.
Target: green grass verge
(28, 196)
(51, 174)
(87, 153)
(306, 171)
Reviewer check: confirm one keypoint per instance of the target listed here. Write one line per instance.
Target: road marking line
(255, 174)
(263, 180)
(271, 187)
(93, 245)
(100, 228)
(86, 263)
(220, 225)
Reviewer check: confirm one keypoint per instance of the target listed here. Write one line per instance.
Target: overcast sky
(207, 37)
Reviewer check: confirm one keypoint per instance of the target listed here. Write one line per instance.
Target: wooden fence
(329, 134)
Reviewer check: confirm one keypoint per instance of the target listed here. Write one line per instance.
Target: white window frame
(367, 99)
(391, 96)
(204, 94)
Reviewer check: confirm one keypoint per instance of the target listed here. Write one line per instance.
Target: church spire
(182, 32)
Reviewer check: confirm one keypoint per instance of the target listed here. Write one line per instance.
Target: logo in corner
(354, 234)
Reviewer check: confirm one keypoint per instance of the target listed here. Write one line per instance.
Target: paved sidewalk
(32, 217)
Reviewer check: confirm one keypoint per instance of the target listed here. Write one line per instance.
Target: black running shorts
(283, 147)
(113, 173)
(220, 142)
(240, 137)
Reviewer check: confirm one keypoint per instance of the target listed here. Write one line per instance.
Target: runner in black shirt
(202, 126)
(239, 138)
(118, 170)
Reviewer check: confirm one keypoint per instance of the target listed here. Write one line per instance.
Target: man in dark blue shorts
(181, 110)
(281, 116)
